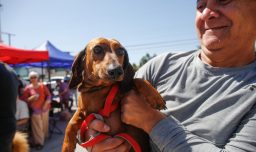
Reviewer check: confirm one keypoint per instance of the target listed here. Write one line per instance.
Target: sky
(141, 26)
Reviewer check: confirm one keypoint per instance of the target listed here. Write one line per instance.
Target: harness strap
(109, 107)
(101, 137)
(94, 140)
(84, 126)
(131, 141)
(112, 109)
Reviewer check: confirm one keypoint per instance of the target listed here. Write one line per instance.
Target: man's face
(226, 23)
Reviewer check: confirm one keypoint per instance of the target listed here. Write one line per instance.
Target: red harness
(105, 112)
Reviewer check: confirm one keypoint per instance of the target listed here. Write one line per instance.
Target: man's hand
(110, 144)
(137, 112)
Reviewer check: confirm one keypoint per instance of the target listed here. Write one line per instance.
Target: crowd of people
(33, 104)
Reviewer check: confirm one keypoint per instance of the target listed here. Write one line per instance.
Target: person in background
(70, 92)
(8, 94)
(210, 93)
(64, 93)
(38, 97)
(22, 113)
(21, 85)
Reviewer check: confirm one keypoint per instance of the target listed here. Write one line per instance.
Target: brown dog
(20, 142)
(101, 64)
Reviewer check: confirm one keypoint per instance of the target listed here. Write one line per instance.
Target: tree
(143, 60)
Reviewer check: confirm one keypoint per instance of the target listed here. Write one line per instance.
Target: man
(64, 93)
(8, 93)
(210, 93)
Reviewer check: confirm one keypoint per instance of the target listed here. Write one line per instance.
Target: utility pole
(1, 41)
(9, 36)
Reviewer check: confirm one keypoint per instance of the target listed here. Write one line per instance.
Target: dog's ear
(77, 69)
(128, 74)
(126, 60)
(127, 82)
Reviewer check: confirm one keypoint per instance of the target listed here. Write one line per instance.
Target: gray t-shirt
(210, 109)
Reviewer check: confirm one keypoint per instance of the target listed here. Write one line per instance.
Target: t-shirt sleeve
(151, 70)
(169, 135)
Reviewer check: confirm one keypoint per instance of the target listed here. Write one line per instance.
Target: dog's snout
(115, 72)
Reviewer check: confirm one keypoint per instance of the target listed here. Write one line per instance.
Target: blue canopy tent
(57, 59)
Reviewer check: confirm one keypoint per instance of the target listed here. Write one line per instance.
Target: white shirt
(21, 110)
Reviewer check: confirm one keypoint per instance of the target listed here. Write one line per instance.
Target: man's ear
(78, 69)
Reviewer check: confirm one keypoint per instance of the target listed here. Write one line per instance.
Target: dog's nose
(115, 72)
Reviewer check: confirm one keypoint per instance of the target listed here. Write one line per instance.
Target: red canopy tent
(11, 55)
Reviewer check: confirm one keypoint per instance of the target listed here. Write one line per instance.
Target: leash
(108, 108)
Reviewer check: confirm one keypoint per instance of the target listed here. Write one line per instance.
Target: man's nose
(210, 11)
(209, 14)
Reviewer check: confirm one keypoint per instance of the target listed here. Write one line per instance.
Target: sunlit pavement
(54, 143)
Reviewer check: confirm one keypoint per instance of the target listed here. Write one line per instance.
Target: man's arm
(170, 135)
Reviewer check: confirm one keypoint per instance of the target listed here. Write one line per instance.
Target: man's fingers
(110, 144)
(124, 147)
(99, 125)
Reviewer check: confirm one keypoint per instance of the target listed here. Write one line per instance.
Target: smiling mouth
(216, 28)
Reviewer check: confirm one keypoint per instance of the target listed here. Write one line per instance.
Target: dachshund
(102, 64)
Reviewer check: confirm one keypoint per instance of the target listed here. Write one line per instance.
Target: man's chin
(212, 44)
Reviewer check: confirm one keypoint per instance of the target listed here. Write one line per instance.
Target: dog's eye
(98, 50)
(120, 51)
